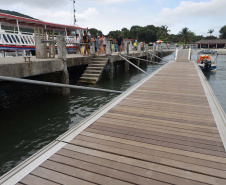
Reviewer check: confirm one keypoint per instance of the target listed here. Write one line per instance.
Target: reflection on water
(24, 132)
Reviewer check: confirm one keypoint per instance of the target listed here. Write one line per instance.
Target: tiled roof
(212, 41)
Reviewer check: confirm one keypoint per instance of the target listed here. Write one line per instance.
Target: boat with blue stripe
(207, 60)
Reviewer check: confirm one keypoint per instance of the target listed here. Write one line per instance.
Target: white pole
(65, 31)
(18, 26)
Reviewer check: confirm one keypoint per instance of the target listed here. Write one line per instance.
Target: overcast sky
(198, 15)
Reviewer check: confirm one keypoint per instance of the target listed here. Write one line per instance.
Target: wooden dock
(167, 129)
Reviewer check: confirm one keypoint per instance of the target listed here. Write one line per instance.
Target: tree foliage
(210, 31)
(223, 32)
(95, 32)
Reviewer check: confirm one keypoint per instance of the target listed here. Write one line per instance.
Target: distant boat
(207, 60)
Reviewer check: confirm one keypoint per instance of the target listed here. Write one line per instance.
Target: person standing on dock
(86, 42)
(104, 43)
(119, 42)
(77, 44)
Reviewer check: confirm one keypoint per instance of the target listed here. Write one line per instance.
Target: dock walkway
(161, 131)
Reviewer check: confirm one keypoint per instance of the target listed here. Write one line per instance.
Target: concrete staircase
(94, 70)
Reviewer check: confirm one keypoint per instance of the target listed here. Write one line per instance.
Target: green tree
(134, 32)
(115, 34)
(223, 32)
(125, 33)
(210, 31)
(186, 35)
(95, 32)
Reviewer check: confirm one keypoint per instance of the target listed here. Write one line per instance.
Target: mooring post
(108, 47)
(111, 67)
(61, 47)
(139, 48)
(127, 53)
(40, 47)
(92, 48)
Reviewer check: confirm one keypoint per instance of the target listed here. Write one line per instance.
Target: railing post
(139, 48)
(61, 48)
(127, 53)
(40, 48)
(92, 48)
(146, 48)
(108, 47)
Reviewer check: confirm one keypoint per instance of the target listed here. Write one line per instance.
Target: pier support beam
(61, 47)
(127, 53)
(92, 48)
(111, 67)
(139, 48)
(108, 47)
(40, 48)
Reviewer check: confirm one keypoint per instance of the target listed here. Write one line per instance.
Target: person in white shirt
(77, 44)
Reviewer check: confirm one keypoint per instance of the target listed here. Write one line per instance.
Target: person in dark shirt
(86, 41)
(119, 42)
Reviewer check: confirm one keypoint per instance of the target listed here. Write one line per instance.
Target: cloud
(88, 14)
(190, 13)
(191, 9)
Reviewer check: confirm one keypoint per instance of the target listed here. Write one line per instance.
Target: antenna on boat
(74, 12)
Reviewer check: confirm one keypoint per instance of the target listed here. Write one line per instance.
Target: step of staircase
(97, 65)
(94, 70)
(86, 75)
(89, 79)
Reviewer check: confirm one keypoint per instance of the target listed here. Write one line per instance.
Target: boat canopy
(207, 52)
(14, 21)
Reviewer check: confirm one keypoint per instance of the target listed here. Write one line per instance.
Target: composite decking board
(146, 111)
(157, 147)
(149, 127)
(120, 166)
(34, 180)
(110, 171)
(154, 158)
(84, 175)
(164, 117)
(58, 177)
(187, 175)
(162, 133)
(154, 135)
(152, 152)
(124, 135)
(157, 137)
(156, 124)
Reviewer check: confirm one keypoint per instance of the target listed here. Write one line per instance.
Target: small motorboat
(207, 60)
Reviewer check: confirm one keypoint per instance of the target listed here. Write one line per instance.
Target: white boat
(207, 60)
(13, 42)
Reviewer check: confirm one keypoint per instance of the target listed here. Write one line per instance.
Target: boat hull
(213, 68)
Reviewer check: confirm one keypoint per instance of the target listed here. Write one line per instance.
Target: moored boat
(207, 60)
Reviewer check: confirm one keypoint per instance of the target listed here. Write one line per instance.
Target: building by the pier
(211, 43)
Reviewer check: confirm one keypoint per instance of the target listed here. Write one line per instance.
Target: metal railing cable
(34, 82)
(141, 59)
(134, 65)
(157, 56)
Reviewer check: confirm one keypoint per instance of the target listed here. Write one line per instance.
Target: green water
(25, 131)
